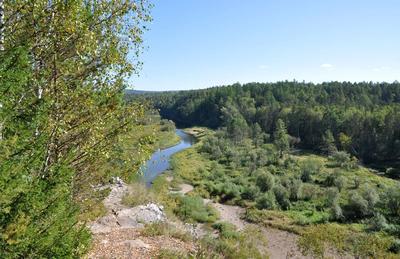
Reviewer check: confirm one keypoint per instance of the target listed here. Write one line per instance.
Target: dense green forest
(360, 118)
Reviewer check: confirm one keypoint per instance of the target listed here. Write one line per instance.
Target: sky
(195, 44)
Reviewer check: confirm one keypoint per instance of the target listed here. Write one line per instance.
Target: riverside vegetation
(292, 154)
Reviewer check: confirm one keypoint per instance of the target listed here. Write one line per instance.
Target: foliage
(226, 230)
(309, 168)
(392, 200)
(317, 239)
(267, 201)
(62, 74)
(281, 138)
(360, 118)
(192, 208)
(343, 159)
(164, 229)
(244, 244)
(265, 181)
(328, 143)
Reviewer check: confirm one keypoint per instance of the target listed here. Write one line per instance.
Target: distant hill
(144, 92)
(133, 91)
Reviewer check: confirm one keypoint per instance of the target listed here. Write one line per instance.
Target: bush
(244, 245)
(336, 179)
(332, 195)
(226, 230)
(371, 196)
(295, 187)
(340, 182)
(392, 200)
(282, 196)
(357, 206)
(230, 191)
(308, 168)
(167, 125)
(250, 192)
(342, 159)
(378, 223)
(266, 201)
(336, 211)
(264, 180)
(395, 246)
(164, 229)
(193, 209)
(308, 192)
(214, 146)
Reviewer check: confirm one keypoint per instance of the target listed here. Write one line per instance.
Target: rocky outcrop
(120, 216)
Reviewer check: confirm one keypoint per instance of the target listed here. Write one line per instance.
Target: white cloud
(327, 66)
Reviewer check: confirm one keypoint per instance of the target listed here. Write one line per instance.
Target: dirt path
(281, 244)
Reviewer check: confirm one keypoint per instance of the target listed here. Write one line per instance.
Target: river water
(159, 161)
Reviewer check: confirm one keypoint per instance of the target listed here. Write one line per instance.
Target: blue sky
(202, 43)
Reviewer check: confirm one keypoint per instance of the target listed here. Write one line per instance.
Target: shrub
(378, 223)
(264, 180)
(167, 125)
(357, 206)
(336, 179)
(250, 192)
(214, 146)
(282, 196)
(164, 229)
(336, 211)
(230, 191)
(340, 182)
(244, 245)
(395, 246)
(343, 159)
(371, 196)
(332, 195)
(226, 230)
(330, 180)
(266, 201)
(308, 192)
(295, 187)
(392, 200)
(192, 208)
(308, 168)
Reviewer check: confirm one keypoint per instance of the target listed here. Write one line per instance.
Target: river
(159, 161)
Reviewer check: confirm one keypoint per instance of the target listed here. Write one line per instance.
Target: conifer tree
(62, 75)
(281, 138)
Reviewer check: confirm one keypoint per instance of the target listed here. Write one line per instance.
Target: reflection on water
(159, 161)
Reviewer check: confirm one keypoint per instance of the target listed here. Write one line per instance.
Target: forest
(362, 119)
